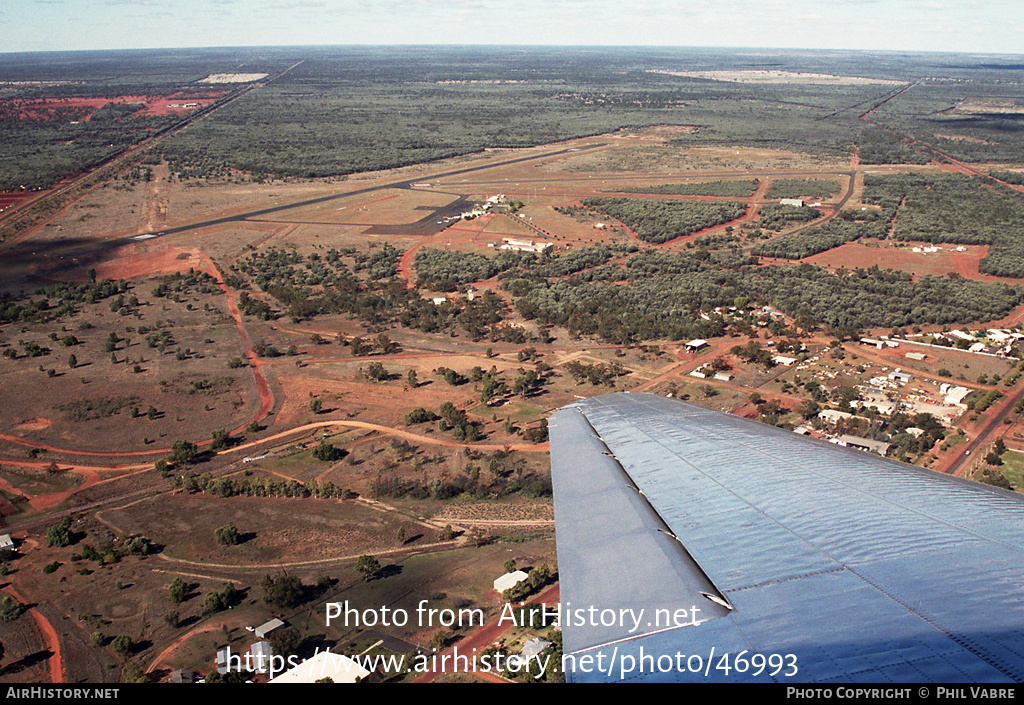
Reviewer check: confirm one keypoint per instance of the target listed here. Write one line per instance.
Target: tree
(412, 379)
(10, 609)
(178, 591)
(316, 405)
(225, 598)
(227, 535)
(286, 640)
(59, 535)
(122, 645)
(327, 452)
(221, 439)
(510, 565)
(377, 372)
(809, 409)
(133, 673)
(72, 361)
(368, 566)
(183, 453)
(285, 591)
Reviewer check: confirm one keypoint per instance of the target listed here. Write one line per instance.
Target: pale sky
(977, 26)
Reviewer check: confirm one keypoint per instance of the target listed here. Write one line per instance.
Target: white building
(833, 416)
(525, 245)
(339, 668)
(509, 580)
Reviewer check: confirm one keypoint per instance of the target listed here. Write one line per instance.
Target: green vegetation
(368, 566)
(10, 609)
(1011, 177)
(446, 270)
(814, 189)
(178, 591)
(955, 209)
(327, 452)
(252, 486)
(668, 291)
(284, 591)
(227, 535)
(223, 599)
(813, 240)
(59, 534)
(661, 221)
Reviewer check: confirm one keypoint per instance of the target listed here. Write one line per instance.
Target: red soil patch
(81, 109)
(132, 262)
(946, 261)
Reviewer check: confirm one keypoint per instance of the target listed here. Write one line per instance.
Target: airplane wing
(698, 546)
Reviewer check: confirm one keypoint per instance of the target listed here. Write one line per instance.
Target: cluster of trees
(598, 373)
(775, 216)
(978, 402)
(1011, 177)
(56, 301)
(447, 270)
(816, 189)
(506, 474)
(315, 289)
(660, 221)
(667, 293)
(753, 352)
(284, 591)
(455, 420)
(126, 545)
(904, 444)
(811, 241)
(253, 486)
(185, 282)
(953, 208)
(223, 599)
(570, 262)
(879, 146)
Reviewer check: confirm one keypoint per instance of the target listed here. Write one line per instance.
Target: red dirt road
(49, 636)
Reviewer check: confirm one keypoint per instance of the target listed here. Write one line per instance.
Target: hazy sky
(989, 26)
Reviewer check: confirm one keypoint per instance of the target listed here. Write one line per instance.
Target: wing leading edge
(687, 535)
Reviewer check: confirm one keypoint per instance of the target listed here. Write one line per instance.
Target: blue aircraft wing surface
(686, 535)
